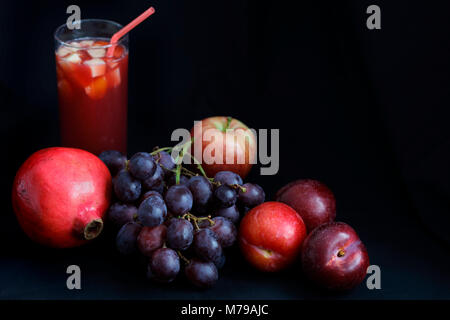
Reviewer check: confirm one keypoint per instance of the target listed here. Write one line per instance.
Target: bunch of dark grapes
(176, 218)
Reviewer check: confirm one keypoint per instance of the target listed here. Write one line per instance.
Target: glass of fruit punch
(92, 86)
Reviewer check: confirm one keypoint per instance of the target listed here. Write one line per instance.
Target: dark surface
(363, 111)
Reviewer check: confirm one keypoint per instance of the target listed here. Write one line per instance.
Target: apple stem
(228, 124)
(341, 253)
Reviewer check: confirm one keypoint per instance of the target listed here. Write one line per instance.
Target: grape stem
(199, 167)
(177, 174)
(184, 147)
(186, 260)
(189, 173)
(237, 186)
(195, 220)
(234, 186)
(179, 168)
(158, 150)
(185, 171)
(180, 156)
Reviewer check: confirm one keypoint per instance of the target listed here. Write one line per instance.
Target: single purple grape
(151, 238)
(202, 274)
(179, 199)
(114, 160)
(165, 160)
(152, 211)
(228, 177)
(164, 265)
(180, 234)
(231, 213)
(206, 245)
(225, 231)
(253, 195)
(202, 192)
(121, 213)
(126, 187)
(126, 240)
(225, 196)
(142, 165)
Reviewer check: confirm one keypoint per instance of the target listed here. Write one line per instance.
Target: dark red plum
(334, 257)
(312, 200)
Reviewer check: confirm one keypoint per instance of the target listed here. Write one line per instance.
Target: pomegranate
(60, 196)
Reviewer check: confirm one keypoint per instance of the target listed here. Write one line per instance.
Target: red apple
(334, 257)
(312, 200)
(60, 196)
(270, 236)
(226, 145)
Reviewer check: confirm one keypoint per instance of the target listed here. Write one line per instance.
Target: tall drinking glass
(92, 86)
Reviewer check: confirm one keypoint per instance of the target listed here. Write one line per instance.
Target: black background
(364, 111)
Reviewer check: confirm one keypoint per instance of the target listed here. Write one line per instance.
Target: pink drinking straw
(119, 34)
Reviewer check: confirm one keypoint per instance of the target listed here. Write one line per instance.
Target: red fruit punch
(92, 94)
(60, 196)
